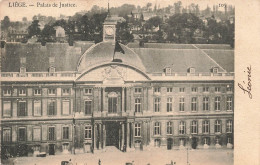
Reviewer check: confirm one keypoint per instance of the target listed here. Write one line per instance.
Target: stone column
(104, 136)
(99, 99)
(123, 136)
(132, 135)
(104, 99)
(99, 135)
(95, 136)
(123, 99)
(128, 137)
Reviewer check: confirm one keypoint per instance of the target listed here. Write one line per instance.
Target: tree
(177, 7)
(47, 33)
(34, 29)
(181, 27)
(6, 23)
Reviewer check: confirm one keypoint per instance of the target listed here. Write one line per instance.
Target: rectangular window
(88, 91)
(52, 91)
(65, 107)
(182, 128)
(7, 135)
(205, 127)
(217, 89)
(36, 134)
(205, 103)
(21, 108)
(182, 89)
(229, 88)
(22, 92)
(22, 134)
(217, 126)
(229, 140)
(88, 107)
(229, 103)
(51, 133)
(37, 108)
(157, 90)
(194, 89)
(194, 127)
(52, 107)
(137, 130)
(181, 104)
(65, 91)
(169, 90)
(194, 104)
(138, 90)
(157, 130)
(88, 130)
(138, 105)
(65, 133)
(205, 89)
(169, 104)
(37, 92)
(168, 71)
(217, 103)
(7, 109)
(229, 126)
(7, 92)
(169, 128)
(23, 60)
(157, 102)
(112, 105)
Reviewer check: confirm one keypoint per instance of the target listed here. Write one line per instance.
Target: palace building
(58, 98)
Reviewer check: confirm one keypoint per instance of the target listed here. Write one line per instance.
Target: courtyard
(112, 156)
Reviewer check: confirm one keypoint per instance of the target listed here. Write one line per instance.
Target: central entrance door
(112, 134)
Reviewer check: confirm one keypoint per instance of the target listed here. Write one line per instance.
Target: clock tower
(109, 28)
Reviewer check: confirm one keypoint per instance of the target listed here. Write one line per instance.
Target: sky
(17, 13)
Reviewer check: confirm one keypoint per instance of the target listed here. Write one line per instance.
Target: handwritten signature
(249, 84)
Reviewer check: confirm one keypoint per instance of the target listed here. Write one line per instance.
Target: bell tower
(109, 28)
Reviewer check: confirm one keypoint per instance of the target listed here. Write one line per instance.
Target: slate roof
(153, 57)
(37, 56)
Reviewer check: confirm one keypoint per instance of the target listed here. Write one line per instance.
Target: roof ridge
(212, 59)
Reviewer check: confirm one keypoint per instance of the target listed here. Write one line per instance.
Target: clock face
(109, 31)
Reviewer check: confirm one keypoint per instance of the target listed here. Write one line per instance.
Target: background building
(59, 98)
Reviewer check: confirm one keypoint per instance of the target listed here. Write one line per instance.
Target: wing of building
(59, 98)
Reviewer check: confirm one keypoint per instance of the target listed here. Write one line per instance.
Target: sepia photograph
(123, 82)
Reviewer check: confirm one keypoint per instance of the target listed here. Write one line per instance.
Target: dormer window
(22, 60)
(191, 70)
(52, 69)
(168, 71)
(51, 60)
(22, 70)
(215, 69)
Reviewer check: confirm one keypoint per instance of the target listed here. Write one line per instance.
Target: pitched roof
(154, 57)
(180, 60)
(37, 56)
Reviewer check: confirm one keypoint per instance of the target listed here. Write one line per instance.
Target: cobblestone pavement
(112, 156)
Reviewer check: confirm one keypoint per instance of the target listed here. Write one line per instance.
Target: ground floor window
(65, 133)
(157, 142)
(65, 146)
(137, 129)
(22, 134)
(51, 133)
(206, 140)
(7, 135)
(37, 134)
(88, 132)
(182, 128)
(157, 128)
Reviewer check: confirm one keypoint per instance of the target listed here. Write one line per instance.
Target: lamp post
(190, 137)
